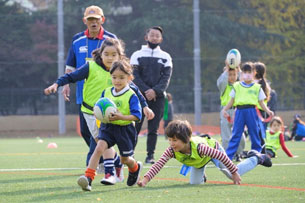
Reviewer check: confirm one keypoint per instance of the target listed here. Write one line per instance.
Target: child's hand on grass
(295, 156)
(236, 178)
(142, 183)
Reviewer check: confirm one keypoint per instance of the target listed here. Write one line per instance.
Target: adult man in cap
(82, 45)
(79, 53)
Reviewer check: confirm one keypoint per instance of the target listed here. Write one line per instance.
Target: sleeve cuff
(70, 68)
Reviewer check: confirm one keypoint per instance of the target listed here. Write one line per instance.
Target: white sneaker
(100, 169)
(119, 174)
(108, 179)
(84, 182)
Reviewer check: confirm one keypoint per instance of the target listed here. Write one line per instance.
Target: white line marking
(67, 169)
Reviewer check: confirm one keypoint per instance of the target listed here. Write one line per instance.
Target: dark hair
(278, 120)
(179, 129)
(155, 28)
(117, 43)
(247, 67)
(123, 65)
(260, 75)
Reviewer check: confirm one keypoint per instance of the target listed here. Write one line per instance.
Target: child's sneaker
(263, 159)
(119, 174)
(84, 182)
(108, 179)
(149, 160)
(133, 178)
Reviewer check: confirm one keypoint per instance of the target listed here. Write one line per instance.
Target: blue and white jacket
(81, 48)
(152, 69)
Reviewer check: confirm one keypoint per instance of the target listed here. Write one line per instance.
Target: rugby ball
(103, 108)
(233, 58)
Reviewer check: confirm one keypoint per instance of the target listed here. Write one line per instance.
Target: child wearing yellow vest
(197, 152)
(121, 130)
(225, 84)
(97, 78)
(245, 95)
(275, 138)
(260, 78)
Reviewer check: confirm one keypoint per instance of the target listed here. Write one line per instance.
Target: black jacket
(152, 69)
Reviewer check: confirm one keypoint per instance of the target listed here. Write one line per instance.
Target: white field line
(68, 169)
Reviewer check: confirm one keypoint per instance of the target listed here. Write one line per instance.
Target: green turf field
(30, 172)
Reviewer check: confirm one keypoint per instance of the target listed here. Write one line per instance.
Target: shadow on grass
(78, 194)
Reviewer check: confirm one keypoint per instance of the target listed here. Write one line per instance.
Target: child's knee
(196, 182)
(124, 160)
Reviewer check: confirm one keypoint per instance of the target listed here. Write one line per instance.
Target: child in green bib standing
(197, 152)
(245, 95)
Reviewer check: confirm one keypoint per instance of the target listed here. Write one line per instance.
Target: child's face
(276, 126)
(109, 55)
(119, 79)
(232, 76)
(176, 144)
(248, 77)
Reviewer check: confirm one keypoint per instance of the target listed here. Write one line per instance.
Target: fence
(32, 101)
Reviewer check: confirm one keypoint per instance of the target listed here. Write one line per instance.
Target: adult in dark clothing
(152, 73)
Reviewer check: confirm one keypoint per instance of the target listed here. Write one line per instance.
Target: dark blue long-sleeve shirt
(83, 73)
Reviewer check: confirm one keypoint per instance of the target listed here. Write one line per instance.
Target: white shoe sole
(105, 181)
(83, 183)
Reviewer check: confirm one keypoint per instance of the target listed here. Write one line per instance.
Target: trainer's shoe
(108, 179)
(84, 182)
(133, 178)
(263, 159)
(119, 174)
(149, 160)
(100, 169)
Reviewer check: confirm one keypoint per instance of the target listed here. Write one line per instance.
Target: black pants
(157, 107)
(83, 127)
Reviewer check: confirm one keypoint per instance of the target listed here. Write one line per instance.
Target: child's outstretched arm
(205, 150)
(265, 108)
(155, 168)
(285, 149)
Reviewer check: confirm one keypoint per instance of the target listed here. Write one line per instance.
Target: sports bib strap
(87, 106)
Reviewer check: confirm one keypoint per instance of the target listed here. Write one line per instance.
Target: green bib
(122, 103)
(98, 80)
(273, 141)
(246, 95)
(225, 97)
(194, 159)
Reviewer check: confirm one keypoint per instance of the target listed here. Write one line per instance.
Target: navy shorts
(123, 136)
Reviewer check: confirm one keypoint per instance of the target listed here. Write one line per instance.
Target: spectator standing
(79, 53)
(152, 72)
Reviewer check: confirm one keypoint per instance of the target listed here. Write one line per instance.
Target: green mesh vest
(122, 103)
(273, 141)
(225, 97)
(194, 159)
(98, 80)
(246, 95)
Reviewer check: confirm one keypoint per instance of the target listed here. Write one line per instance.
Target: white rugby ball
(103, 108)
(233, 58)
